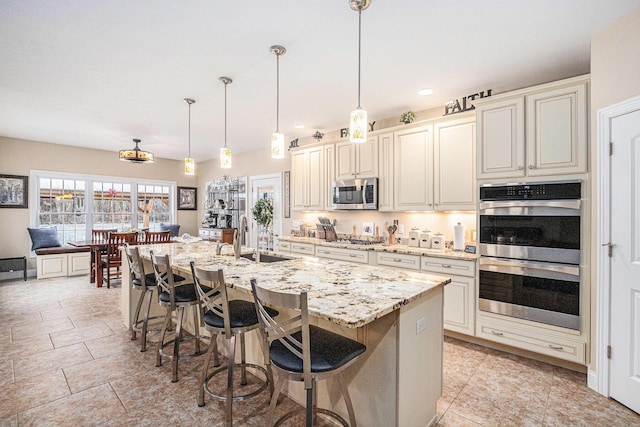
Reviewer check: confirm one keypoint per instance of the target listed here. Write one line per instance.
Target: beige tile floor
(66, 359)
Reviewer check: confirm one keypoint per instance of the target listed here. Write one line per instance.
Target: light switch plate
(421, 324)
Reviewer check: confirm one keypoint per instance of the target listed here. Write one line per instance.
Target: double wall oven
(529, 246)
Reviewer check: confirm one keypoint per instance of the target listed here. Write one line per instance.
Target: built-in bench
(63, 261)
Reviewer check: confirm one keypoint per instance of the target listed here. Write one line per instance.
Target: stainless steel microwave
(355, 194)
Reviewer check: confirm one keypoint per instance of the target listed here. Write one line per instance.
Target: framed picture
(286, 186)
(14, 191)
(187, 198)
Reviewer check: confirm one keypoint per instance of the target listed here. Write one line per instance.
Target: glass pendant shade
(225, 157)
(189, 166)
(277, 145)
(136, 155)
(358, 125)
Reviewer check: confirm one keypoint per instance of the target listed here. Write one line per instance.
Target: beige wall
(615, 61)
(19, 157)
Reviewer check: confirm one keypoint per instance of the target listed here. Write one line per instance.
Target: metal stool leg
(145, 323)
(243, 361)
(167, 322)
(136, 315)
(347, 399)
(203, 379)
(229, 401)
(176, 345)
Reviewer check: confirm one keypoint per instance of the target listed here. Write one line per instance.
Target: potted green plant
(263, 212)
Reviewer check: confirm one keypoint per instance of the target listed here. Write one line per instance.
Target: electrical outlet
(421, 324)
(400, 228)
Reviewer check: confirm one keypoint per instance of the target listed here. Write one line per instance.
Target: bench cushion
(67, 249)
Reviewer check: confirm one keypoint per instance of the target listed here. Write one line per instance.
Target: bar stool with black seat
(176, 297)
(230, 318)
(302, 352)
(145, 283)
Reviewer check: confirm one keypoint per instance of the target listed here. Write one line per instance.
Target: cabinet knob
(520, 168)
(531, 167)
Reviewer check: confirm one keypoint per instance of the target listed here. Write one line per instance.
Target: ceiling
(98, 73)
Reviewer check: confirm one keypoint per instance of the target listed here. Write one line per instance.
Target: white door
(625, 261)
(265, 187)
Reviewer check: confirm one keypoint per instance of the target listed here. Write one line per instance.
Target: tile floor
(66, 359)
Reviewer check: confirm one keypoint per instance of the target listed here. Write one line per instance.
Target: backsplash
(433, 221)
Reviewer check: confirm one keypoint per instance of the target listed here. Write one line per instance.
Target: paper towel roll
(458, 237)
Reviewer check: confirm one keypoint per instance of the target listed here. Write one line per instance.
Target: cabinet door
(298, 180)
(385, 167)
(330, 173)
(500, 136)
(459, 305)
(315, 179)
(557, 131)
(357, 160)
(412, 166)
(454, 162)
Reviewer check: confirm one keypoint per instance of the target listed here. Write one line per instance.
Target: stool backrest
(164, 276)
(101, 236)
(136, 267)
(215, 299)
(151, 237)
(282, 327)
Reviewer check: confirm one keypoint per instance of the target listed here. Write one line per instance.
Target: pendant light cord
(277, 93)
(189, 130)
(225, 115)
(359, 50)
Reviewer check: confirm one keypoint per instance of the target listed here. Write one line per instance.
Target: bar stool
(176, 298)
(145, 283)
(303, 352)
(229, 318)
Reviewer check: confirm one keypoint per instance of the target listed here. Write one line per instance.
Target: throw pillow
(174, 229)
(43, 238)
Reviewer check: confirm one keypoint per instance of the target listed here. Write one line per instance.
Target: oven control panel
(537, 191)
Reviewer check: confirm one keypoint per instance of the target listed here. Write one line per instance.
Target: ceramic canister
(425, 239)
(437, 241)
(414, 237)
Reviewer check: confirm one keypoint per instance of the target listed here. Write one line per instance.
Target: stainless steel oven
(529, 245)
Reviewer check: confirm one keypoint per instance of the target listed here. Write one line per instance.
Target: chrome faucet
(243, 229)
(236, 244)
(219, 247)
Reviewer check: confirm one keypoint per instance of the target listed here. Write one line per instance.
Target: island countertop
(347, 294)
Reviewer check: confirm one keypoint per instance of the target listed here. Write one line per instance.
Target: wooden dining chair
(112, 261)
(152, 237)
(101, 236)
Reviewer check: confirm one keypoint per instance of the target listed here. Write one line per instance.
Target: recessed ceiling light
(298, 126)
(425, 91)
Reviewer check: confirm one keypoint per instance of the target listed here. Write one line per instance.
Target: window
(75, 204)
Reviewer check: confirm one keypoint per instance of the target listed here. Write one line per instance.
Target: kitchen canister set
(436, 240)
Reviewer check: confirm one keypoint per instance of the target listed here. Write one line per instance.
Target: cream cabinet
(307, 170)
(539, 131)
(303, 248)
(357, 160)
(342, 254)
(459, 295)
(385, 172)
(413, 169)
(411, 262)
(454, 159)
(329, 173)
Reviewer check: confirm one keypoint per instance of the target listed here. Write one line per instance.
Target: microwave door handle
(364, 192)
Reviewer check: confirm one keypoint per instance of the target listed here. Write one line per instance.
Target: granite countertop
(344, 293)
(399, 249)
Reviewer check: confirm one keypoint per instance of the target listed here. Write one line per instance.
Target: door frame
(603, 307)
(278, 209)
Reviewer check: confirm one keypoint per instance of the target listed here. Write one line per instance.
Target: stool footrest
(316, 411)
(263, 383)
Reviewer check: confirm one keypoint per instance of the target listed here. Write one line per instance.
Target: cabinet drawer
(532, 341)
(351, 255)
(303, 248)
(449, 266)
(203, 233)
(411, 262)
(284, 246)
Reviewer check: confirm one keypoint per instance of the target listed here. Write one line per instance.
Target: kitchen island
(396, 314)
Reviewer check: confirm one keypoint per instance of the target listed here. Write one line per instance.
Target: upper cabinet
(413, 169)
(307, 179)
(454, 172)
(357, 160)
(385, 168)
(540, 131)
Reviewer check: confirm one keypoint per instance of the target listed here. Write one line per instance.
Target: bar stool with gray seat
(229, 318)
(303, 352)
(145, 283)
(176, 297)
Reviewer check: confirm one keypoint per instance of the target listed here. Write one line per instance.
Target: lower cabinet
(459, 295)
(303, 248)
(342, 254)
(283, 246)
(391, 259)
(531, 338)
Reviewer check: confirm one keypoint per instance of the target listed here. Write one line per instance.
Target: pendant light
(358, 123)
(225, 152)
(136, 155)
(189, 162)
(277, 139)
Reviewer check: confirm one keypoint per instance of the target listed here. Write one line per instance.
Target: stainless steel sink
(265, 258)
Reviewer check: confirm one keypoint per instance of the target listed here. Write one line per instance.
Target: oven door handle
(531, 207)
(545, 269)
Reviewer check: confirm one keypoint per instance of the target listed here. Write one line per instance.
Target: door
(625, 261)
(266, 187)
